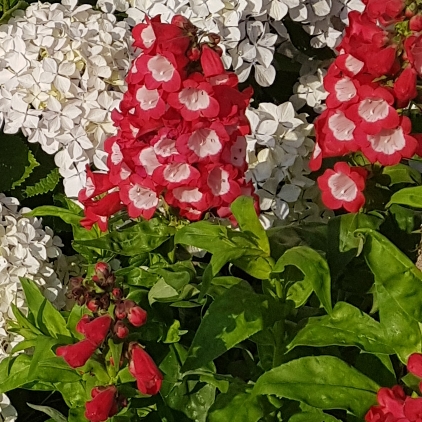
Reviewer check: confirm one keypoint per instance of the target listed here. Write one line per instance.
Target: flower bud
(103, 404)
(102, 270)
(214, 38)
(137, 316)
(120, 310)
(120, 329)
(75, 282)
(142, 367)
(93, 305)
(117, 293)
(96, 330)
(194, 54)
(77, 354)
(415, 23)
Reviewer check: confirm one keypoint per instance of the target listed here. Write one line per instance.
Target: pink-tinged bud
(120, 310)
(117, 293)
(77, 354)
(121, 330)
(410, 11)
(93, 305)
(102, 270)
(103, 404)
(405, 85)
(415, 23)
(75, 282)
(214, 38)
(143, 368)
(194, 54)
(137, 316)
(96, 331)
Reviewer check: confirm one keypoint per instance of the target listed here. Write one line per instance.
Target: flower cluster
(374, 75)
(115, 322)
(62, 70)
(278, 151)
(26, 250)
(393, 403)
(182, 128)
(7, 411)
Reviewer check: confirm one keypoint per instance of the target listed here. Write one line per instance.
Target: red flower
(413, 409)
(96, 330)
(390, 408)
(373, 112)
(342, 187)
(77, 354)
(103, 404)
(405, 86)
(140, 197)
(143, 368)
(413, 48)
(414, 364)
(195, 99)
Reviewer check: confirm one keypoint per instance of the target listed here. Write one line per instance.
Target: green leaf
(67, 216)
(346, 226)
(346, 326)
(233, 317)
(45, 185)
(77, 414)
(237, 405)
(14, 159)
(162, 292)
(55, 369)
(32, 164)
(400, 173)
(23, 321)
(135, 240)
(244, 211)
(73, 393)
(411, 197)
(398, 286)
(53, 413)
(316, 272)
(47, 318)
(14, 372)
(325, 382)
(313, 417)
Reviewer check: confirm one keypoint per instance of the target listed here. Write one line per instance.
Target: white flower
(257, 50)
(7, 411)
(278, 153)
(52, 58)
(26, 250)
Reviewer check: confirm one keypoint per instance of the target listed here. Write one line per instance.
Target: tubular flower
(181, 128)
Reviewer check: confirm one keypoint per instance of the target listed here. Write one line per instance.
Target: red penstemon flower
(181, 127)
(103, 404)
(342, 187)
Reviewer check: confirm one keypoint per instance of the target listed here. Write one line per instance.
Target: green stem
(279, 346)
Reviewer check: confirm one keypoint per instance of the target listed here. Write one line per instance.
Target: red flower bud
(103, 404)
(137, 316)
(121, 330)
(142, 367)
(405, 85)
(96, 330)
(117, 293)
(415, 23)
(77, 354)
(194, 54)
(102, 270)
(211, 62)
(120, 310)
(93, 305)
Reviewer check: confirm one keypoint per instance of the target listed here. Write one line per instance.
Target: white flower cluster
(278, 155)
(324, 19)
(309, 90)
(26, 250)
(7, 411)
(62, 71)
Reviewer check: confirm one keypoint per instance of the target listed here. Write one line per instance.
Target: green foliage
(325, 382)
(45, 185)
